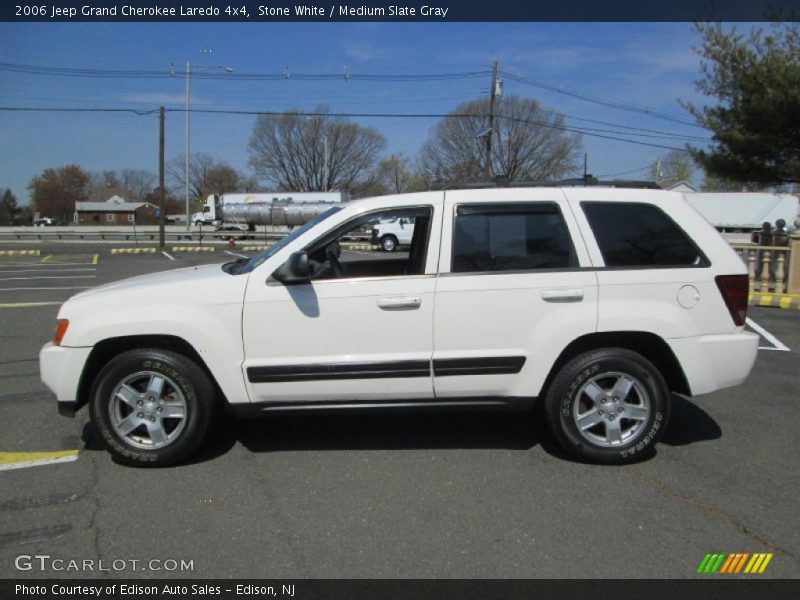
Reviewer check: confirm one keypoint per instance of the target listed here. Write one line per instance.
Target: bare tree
(207, 175)
(313, 153)
(137, 183)
(528, 144)
(131, 184)
(673, 167)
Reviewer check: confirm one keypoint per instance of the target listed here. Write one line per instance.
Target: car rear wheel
(608, 406)
(152, 407)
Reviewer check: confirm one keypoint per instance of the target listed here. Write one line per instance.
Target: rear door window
(511, 237)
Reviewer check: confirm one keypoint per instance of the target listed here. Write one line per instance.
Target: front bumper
(714, 362)
(60, 368)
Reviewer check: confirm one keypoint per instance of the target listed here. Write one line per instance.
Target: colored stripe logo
(737, 562)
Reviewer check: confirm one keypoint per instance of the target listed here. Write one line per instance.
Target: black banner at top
(438, 11)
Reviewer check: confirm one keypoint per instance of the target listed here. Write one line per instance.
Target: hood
(174, 277)
(192, 286)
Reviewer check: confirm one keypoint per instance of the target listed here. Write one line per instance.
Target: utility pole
(492, 96)
(161, 215)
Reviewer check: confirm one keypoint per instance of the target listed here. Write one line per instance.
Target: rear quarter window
(632, 234)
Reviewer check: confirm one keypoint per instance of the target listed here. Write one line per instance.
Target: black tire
(389, 243)
(597, 373)
(186, 385)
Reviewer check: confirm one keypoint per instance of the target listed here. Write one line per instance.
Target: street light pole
(186, 141)
(186, 158)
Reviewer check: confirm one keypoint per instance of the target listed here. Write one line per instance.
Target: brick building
(115, 211)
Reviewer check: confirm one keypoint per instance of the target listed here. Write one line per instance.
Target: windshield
(255, 261)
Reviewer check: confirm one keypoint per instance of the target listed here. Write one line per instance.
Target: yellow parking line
(28, 304)
(47, 258)
(95, 259)
(23, 460)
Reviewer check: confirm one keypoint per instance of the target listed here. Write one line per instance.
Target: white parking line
(168, 255)
(776, 343)
(49, 277)
(36, 289)
(234, 254)
(46, 270)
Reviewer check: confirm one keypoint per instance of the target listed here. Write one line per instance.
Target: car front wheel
(389, 243)
(608, 406)
(152, 407)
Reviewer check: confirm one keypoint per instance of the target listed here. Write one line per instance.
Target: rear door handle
(574, 295)
(398, 302)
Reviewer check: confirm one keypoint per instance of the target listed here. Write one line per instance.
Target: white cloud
(160, 98)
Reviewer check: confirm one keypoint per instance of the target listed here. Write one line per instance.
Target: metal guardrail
(43, 234)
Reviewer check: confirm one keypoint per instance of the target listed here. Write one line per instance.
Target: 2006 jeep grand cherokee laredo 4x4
(601, 302)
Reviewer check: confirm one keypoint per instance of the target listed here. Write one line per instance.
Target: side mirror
(295, 270)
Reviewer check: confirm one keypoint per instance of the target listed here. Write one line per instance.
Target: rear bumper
(714, 362)
(60, 369)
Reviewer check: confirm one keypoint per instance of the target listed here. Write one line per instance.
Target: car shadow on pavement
(515, 431)
(415, 431)
(689, 424)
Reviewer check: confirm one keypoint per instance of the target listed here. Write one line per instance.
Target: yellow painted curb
(133, 250)
(254, 248)
(22, 460)
(791, 301)
(192, 249)
(20, 252)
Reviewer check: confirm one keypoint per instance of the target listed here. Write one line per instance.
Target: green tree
(755, 80)
(55, 192)
(8, 208)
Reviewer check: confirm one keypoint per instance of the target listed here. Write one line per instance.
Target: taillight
(735, 290)
(61, 329)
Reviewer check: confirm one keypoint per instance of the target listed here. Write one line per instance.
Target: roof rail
(586, 181)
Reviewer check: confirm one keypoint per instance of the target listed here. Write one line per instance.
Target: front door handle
(399, 302)
(573, 295)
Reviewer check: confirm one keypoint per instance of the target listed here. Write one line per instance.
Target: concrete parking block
(20, 252)
(351, 246)
(775, 300)
(192, 249)
(134, 250)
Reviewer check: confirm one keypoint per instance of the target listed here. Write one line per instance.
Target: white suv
(600, 302)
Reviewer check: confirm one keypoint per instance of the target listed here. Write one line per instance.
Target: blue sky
(646, 64)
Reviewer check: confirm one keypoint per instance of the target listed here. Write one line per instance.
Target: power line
(347, 115)
(370, 77)
(286, 75)
(137, 112)
(596, 99)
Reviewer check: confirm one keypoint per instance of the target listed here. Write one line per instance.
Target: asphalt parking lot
(445, 496)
